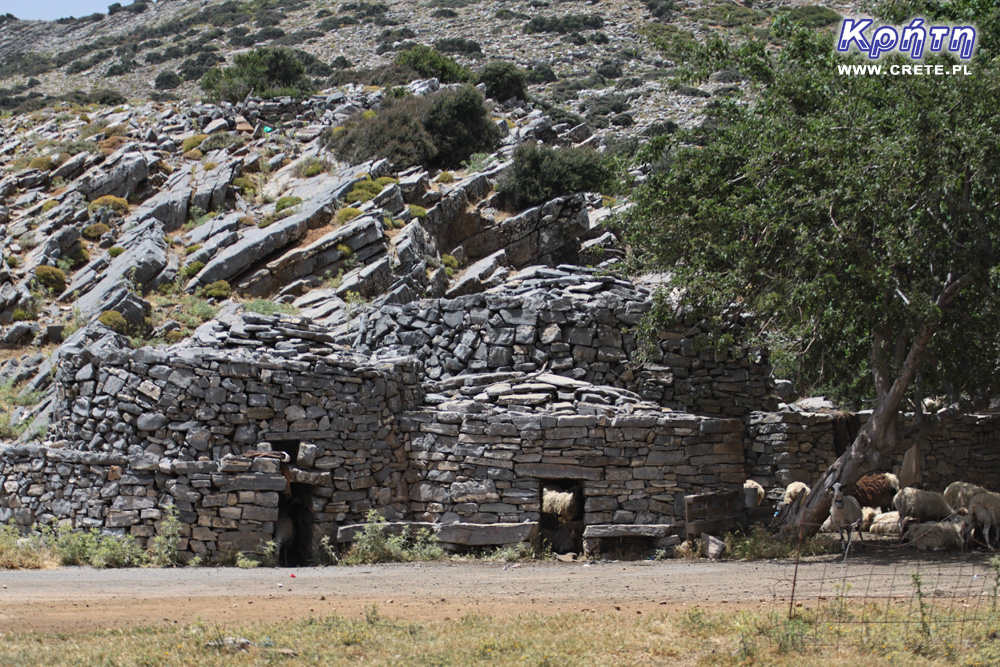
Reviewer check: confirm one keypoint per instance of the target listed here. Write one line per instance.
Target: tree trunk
(879, 438)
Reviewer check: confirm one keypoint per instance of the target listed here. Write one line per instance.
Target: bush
(541, 173)
(504, 80)
(439, 130)
(661, 9)
(167, 80)
(115, 321)
(114, 251)
(564, 24)
(541, 73)
(43, 163)
(111, 144)
(428, 63)
(95, 231)
(310, 167)
(51, 278)
(193, 142)
(347, 214)
(373, 545)
(458, 45)
(812, 16)
(116, 204)
(445, 177)
(418, 211)
(218, 290)
(268, 307)
(286, 202)
(269, 72)
(192, 269)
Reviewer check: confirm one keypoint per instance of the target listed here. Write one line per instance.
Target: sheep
(793, 490)
(885, 524)
(876, 490)
(934, 536)
(757, 497)
(958, 494)
(921, 506)
(845, 512)
(868, 515)
(983, 512)
(558, 502)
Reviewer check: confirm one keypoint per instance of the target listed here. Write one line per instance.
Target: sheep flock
(964, 516)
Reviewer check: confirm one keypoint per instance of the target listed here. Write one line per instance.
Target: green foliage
(114, 251)
(661, 9)
(193, 142)
(445, 177)
(192, 249)
(311, 167)
(17, 553)
(43, 163)
(268, 72)
(115, 321)
(95, 231)
(565, 24)
(761, 544)
(221, 140)
(429, 63)
(838, 210)
(504, 80)
(418, 211)
(726, 14)
(347, 214)
(192, 269)
(286, 202)
(811, 16)
(268, 307)
(457, 45)
(116, 204)
(51, 278)
(441, 130)
(541, 173)
(374, 545)
(246, 185)
(163, 548)
(220, 289)
(95, 548)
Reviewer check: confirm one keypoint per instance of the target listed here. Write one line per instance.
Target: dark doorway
(295, 510)
(561, 524)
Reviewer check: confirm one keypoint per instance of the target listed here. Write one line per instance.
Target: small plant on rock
(115, 321)
(286, 202)
(95, 231)
(116, 204)
(51, 278)
(220, 289)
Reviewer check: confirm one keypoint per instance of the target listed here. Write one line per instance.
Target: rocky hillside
(133, 209)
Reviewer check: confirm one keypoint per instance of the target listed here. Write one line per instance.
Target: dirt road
(80, 599)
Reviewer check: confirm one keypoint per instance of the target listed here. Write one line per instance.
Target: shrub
(444, 13)
(564, 24)
(504, 80)
(541, 173)
(812, 16)
(246, 185)
(167, 80)
(449, 261)
(193, 142)
(95, 231)
(310, 167)
(43, 163)
(429, 63)
(76, 257)
(51, 278)
(269, 72)
(445, 177)
(49, 205)
(457, 45)
(373, 545)
(436, 130)
(661, 9)
(111, 144)
(418, 211)
(164, 547)
(268, 307)
(194, 155)
(218, 290)
(286, 202)
(347, 214)
(727, 15)
(192, 269)
(115, 321)
(609, 69)
(541, 73)
(192, 249)
(114, 251)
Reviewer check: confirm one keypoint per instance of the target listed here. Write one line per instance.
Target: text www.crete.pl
(904, 70)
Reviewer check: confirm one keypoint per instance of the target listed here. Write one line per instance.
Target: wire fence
(883, 599)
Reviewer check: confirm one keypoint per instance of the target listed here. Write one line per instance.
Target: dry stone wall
(783, 447)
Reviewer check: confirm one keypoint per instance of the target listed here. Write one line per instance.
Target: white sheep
(845, 513)
(958, 494)
(983, 512)
(885, 524)
(758, 493)
(921, 506)
(558, 502)
(793, 490)
(868, 515)
(934, 536)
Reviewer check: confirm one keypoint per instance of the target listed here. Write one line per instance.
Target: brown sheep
(876, 490)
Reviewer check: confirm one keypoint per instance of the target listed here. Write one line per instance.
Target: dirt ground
(79, 599)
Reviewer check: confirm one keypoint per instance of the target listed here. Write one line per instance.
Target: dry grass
(691, 637)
